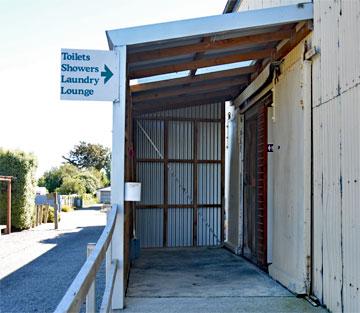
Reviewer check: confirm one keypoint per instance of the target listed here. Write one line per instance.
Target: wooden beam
(154, 109)
(193, 80)
(190, 89)
(293, 42)
(190, 65)
(189, 97)
(219, 96)
(209, 45)
(200, 54)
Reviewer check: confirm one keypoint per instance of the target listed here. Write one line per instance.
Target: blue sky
(32, 118)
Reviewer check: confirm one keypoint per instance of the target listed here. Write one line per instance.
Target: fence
(69, 200)
(41, 214)
(83, 285)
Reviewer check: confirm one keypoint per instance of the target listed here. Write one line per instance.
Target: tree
(88, 155)
(53, 179)
(72, 185)
(68, 179)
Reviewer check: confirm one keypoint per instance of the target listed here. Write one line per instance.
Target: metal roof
(257, 36)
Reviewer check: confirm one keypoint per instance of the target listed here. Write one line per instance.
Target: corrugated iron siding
(261, 4)
(336, 114)
(336, 150)
(180, 177)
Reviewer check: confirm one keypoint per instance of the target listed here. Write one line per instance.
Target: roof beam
(193, 80)
(208, 45)
(208, 62)
(211, 25)
(212, 86)
(208, 97)
(179, 106)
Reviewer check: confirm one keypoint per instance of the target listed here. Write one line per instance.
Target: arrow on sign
(107, 74)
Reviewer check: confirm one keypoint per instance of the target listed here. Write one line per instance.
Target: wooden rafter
(212, 86)
(207, 45)
(193, 80)
(210, 61)
(188, 100)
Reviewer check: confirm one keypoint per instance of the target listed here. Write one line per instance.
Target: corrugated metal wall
(336, 116)
(290, 183)
(179, 157)
(336, 150)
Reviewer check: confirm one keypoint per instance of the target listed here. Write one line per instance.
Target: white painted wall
(336, 114)
(289, 175)
(336, 155)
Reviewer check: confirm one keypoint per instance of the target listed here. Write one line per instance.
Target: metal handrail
(75, 295)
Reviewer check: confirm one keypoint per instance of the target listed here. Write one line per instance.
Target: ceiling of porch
(230, 50)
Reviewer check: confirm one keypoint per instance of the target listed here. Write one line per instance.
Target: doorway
(255, 185)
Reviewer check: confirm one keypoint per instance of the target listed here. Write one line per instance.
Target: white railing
(84, 281)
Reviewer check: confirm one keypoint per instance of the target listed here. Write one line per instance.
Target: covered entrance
(180, 163)
(175, 79)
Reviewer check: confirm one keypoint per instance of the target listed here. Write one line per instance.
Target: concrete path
(38, 265)
(205, 280)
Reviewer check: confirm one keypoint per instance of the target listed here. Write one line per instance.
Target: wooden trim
(185, 90)
(178, 161)
(176, 206)
(208, 45)
(184, 104)
(246, 70)
(191, 65)
(195, 183)
(222, 125)
(199, 54)
(173, 103)
(166, 173)
(178, 119)
(293, 42)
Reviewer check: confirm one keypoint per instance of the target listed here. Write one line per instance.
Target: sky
(32, 117)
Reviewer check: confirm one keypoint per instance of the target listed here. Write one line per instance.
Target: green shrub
(71, 185)
(22, 166)
(51, 217)
(89, 199)
(66, 208)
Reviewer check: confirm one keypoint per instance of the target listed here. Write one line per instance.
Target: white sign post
(89, 75)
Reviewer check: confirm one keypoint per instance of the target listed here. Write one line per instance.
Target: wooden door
(255, 183)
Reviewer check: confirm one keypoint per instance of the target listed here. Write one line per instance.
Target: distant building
(104, 195)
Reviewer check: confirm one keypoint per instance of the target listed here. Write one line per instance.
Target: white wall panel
(336, 94)
(291, 178)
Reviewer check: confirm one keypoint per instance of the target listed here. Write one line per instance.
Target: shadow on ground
(39, 285)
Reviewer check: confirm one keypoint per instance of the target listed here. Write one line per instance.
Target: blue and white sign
(89, 75)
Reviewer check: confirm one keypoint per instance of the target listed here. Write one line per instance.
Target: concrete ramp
(205, 280)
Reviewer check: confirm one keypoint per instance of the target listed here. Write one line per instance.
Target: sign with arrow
(89, 75)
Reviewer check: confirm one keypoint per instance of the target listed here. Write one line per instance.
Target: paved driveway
(38, 265)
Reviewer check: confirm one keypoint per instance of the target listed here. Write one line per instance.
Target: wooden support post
(117, 179)
(91, 296)
(222, 125)
(8, 221)
(56, 206)
(166, 182)
(195, 182)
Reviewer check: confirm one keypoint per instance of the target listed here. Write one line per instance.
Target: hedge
(22, 166)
